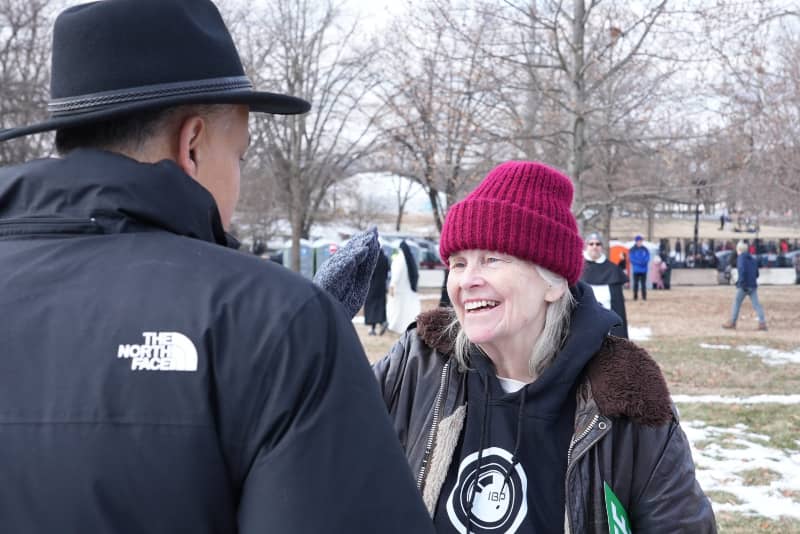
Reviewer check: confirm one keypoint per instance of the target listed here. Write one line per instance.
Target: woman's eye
(457, 264)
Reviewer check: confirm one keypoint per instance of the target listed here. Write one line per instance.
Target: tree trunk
(297, 234)
(399, 219)
(578, 136)
(433, 196)
(607, 224)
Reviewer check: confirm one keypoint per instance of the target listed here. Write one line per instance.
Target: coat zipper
(48, 225)
(436, 414)
(576, 439)
(572, 444)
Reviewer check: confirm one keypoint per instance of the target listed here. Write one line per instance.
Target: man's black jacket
(152, 380)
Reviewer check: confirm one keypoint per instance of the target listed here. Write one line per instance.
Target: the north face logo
(161, 351)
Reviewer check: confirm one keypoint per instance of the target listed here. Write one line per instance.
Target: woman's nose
(472, 276)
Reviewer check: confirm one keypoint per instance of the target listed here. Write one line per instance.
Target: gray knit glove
(347, 273)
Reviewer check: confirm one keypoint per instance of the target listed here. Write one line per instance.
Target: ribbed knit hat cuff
(483, 224)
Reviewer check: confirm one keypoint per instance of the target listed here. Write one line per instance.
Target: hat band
(83, 103)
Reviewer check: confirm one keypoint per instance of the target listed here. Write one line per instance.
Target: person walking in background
(153, 378)
(746, 286)
(606, 280)
(517, 411)
(375, 305)
(640, 258)
(402, 306)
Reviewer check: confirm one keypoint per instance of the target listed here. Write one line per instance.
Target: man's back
(153, 381)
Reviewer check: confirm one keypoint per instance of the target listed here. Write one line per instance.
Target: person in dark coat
(746, 286)
(606, 280)
(152, 378)
(444, 298)
(517, 411)
(375, 305)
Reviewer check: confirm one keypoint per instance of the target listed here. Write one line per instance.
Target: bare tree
(437, 101)
(573, 60)
(757, 150)
(24, 74)
(301, 47)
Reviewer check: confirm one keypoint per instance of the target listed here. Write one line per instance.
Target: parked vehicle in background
(429, 258)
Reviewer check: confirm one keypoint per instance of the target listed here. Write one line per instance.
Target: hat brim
(257, 101)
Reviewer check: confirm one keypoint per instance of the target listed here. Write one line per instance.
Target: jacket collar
(119, 193)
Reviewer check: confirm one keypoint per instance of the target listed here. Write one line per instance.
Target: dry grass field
(747, 451)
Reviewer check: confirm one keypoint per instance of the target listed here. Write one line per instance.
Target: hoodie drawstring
(517, 440)
(480, 451)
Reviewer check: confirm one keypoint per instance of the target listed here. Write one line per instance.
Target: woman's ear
(555, 292)
(190, 138)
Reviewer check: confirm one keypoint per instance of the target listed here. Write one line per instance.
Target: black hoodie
(518, 441)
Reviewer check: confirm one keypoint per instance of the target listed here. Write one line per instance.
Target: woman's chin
(479, 335)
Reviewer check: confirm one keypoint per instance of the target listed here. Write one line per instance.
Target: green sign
(617, 517)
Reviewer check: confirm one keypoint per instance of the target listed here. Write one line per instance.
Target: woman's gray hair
(556, 328)
(742, 247)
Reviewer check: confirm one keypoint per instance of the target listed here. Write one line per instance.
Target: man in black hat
(151, 379)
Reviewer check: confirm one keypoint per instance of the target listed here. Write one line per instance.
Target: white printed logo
(499, 500)
(161, 351)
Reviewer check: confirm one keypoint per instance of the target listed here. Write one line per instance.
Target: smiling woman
(516, 409)
(501, 302)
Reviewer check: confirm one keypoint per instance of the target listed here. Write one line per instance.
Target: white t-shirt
(510, 385)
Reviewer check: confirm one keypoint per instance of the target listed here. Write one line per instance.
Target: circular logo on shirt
(497, 496)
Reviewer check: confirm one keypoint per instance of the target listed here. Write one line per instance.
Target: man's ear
(190, 137)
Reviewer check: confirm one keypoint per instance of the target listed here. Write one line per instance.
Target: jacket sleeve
(317, 449)
(672, 500)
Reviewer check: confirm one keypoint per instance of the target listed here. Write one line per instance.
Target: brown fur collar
(624, 379)
(432, 329)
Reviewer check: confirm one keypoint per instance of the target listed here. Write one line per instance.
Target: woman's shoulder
(418, 356)
(434, 329)
(427, 342)
(625, 381)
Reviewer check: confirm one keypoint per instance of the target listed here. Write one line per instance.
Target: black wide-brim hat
(116, 57)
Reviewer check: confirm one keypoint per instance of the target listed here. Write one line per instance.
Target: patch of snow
(754, 399)
(771, 356)
(719, 469)
(639, 333)
(768, 355)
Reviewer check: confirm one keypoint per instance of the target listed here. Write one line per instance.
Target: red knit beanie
(521, 208)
